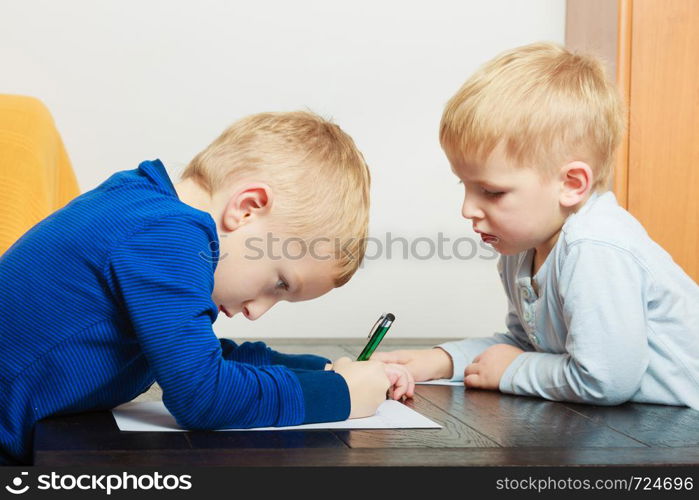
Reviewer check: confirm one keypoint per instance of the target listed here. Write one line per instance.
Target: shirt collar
(155, 171)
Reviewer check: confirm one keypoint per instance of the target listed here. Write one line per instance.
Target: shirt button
(527, 315)
(525, 293)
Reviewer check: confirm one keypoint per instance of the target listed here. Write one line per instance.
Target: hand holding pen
(402, 382)
(370, 383)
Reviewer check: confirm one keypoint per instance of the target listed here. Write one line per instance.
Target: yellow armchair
(36, 177)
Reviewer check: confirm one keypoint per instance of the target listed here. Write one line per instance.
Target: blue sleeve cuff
(325, 395)
(298, 361)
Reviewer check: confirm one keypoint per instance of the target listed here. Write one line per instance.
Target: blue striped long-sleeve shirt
(112, 293)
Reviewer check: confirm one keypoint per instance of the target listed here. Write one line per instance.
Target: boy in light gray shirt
(598, 312)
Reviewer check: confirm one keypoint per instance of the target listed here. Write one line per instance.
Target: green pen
(376, 335)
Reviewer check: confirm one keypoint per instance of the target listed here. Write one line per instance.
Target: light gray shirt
(608, 318)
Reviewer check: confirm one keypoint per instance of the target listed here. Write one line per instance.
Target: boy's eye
(282, 284)
(493, 194)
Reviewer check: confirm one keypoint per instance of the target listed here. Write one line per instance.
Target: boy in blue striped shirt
(598, 312)
(119, 289)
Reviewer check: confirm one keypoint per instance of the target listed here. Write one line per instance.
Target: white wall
(134, 80)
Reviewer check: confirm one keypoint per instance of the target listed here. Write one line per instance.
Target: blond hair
(319, 177)
(545, 104)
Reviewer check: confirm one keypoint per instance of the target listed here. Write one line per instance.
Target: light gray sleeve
(602, 291)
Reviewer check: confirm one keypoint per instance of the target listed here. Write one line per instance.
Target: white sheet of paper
(441, 381)
(152, 416)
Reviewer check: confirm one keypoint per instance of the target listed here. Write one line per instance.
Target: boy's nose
(469, 210)
(254, 309)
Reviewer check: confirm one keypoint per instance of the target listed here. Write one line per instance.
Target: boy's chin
(504, 249)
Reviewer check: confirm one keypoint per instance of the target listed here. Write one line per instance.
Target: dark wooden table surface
(479, 428)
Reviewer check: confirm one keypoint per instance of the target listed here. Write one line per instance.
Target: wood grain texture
(515, 421)
(653, 425)
(453, 434)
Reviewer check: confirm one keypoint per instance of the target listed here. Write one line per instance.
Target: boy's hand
(402, 381)
(368, 384)
(423, 364)
(488, 367)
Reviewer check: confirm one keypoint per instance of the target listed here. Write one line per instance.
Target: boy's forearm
(252, 353)
(259, 354)
(559, 377)
(299, 361)
(442, 362)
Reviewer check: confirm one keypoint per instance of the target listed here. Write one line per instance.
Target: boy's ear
(247, 202)
(576, 182)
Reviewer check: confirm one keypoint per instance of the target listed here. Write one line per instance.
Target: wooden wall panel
(663, 169)
(620, 181)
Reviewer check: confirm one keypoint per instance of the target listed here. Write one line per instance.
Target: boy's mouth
(487, 238)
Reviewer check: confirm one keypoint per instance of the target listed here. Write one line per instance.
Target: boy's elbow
(612, 391)
(189, 421)
(605, 384)
(203, 418)
(188, 416)
(613, 397)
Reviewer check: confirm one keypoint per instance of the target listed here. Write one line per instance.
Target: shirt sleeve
(462, 352)
(259, 354)
(601, 289)
(162, 278)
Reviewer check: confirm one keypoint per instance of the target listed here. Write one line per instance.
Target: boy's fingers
(472, 369)
(396, 373)
(393, 377)
(472, 381)
(397, 391)
(402, 382)
(403, 389)
(410, 392)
